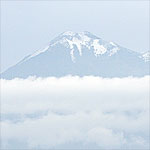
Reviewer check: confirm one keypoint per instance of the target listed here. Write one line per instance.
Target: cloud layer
(74, 112)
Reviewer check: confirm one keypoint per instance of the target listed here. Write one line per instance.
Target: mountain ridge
(82, 53)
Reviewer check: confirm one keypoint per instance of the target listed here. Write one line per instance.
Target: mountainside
(81, 54)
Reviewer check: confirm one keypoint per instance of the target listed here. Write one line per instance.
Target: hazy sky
(29, 26)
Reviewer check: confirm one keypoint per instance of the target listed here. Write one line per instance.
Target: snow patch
(69, 33)
(78, 41)
(72, 55)
(146, 56)
(98, 49)
(39, 51)
(113, 51)
(84, 38)
(36, 53)
(112, 43)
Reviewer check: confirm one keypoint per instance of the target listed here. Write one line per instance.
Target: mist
(75, 112)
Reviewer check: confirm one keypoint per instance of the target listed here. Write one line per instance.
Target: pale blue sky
(29, 26)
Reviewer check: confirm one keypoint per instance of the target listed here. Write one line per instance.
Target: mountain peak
(85, 40)
(72, 33)
(69, 33)
(81, 53)
(78, 34)
(81, 42)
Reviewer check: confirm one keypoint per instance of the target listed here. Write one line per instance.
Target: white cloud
(74, 112)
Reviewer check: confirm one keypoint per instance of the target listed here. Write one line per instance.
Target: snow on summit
(81, 41)
(81, 53)
(85, 40)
